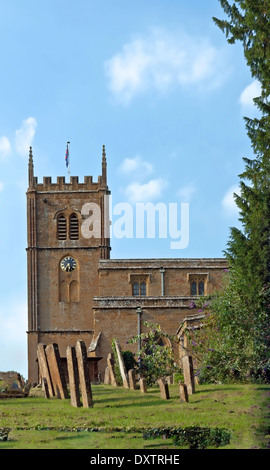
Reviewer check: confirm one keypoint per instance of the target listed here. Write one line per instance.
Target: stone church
(75, 291)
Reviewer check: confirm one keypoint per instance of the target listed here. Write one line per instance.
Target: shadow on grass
(222, 389)
(140, 404)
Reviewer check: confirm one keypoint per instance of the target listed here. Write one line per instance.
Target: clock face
(68, 264)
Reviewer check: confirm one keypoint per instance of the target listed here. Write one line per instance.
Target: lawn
(119, 417)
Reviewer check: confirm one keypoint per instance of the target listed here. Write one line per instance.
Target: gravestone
(43, 368)
(56, 371)
(73, 377)
(183, 392)
(122, 366)
(131, 379)
(110, 362)
(143, 386)
(188, 374)
(107, 380)
(84, 377)
(20, 382)
(45, 387)
(164, 389)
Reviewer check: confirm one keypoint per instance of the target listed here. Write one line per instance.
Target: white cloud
(228, 202)
(137, 192)
(25, 135)
(161, 59)
(5, 146)
(136, 166)
(186, 192)
(249, 93)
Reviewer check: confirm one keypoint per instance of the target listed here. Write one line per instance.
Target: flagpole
(68, 160)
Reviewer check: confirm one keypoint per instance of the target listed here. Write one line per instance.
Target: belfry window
(73, 227)
(61, 227)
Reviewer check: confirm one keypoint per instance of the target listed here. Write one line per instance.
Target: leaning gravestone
(45, 387)
(183, 392)
(44, 369)
(121, 365)
(56, 371)
(110, 362)
(107, 380)
(131, 379)
(73, 377)
(164, 389)
(84, 377)
(188, 374)
(143, 386)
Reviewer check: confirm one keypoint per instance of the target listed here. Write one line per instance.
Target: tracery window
(139, 288)
(198, 283)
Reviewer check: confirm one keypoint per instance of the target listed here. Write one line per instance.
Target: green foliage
(195, 437)
(155, 358)
(230, 345)
(248, 249)
(4, 432)
(129, 360)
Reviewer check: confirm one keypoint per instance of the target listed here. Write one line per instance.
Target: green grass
(37, 423)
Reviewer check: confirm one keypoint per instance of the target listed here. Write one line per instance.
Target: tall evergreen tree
(248, 249)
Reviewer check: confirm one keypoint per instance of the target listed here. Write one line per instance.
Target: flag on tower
(67, 156)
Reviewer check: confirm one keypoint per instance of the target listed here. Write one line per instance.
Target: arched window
(135, 289)
(193, 288)
(143, 288)
(201, 288)
(73, 227)
(61, 227)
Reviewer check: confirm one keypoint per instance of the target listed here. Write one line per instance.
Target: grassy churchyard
(120, 417)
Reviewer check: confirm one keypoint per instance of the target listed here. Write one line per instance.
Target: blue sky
(153, 81)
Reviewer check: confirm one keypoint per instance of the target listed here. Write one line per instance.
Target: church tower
(67, 235)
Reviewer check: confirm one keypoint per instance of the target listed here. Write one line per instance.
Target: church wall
(122, 324)
(117, 276)
(115, 310)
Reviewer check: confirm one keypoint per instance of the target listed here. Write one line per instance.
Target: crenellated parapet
(62, 184)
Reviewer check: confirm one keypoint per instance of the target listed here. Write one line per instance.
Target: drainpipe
(162, 271)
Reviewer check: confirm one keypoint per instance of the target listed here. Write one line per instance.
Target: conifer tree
(248, 249)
